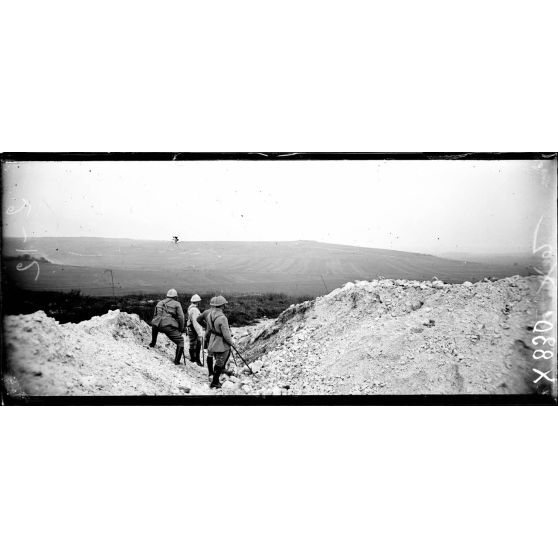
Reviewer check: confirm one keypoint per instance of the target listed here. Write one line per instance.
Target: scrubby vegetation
(74, 307)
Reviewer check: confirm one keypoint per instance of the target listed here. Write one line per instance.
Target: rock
(467, 284)
(276, 391)
(228, 386)
(417, 329)
(256, 366)
(438, 284)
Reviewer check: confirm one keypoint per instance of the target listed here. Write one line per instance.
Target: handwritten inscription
(546, 342)
(20, 267)
(11, 210)
(547, 254)
(543, 326)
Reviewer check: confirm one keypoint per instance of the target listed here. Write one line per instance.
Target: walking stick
(240, 357)
(202, 351)
(184, 352)
(234, 349)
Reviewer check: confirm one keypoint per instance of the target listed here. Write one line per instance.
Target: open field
(301, 268)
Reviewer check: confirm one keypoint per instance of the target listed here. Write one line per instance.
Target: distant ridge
(294, 267)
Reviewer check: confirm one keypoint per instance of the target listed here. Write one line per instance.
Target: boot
(154, 333)
(178, 355)
(210, 367)
(192, 355)
(216, 373)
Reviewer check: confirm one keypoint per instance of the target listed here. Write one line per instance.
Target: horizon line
(415, 251)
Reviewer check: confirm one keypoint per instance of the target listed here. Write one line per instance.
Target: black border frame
(267, 156)
(289, 400)
(316, 400)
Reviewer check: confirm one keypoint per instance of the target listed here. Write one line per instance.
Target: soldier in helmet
(202, 321)
(169, 319)
(220, 340)
(195, 330)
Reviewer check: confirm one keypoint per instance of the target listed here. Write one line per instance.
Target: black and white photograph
(278, 279)
(267, 277)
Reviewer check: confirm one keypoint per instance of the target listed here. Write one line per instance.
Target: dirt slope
(107, 355)
(379, 337)
(401, 337)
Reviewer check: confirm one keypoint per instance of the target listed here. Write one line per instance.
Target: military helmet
(218, 301)
(195, 298)
(172, 292)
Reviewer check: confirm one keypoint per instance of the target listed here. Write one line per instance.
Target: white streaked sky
(423, 206)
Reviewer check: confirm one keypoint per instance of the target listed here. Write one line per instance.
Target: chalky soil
(378, 337)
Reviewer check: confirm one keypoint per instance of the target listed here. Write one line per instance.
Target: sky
(434, 207)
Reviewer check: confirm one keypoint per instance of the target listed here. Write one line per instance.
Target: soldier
(220, 340)
(169, 319)
(202, 321)
(195, 330)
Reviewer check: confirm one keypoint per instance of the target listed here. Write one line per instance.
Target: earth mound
(401, 337)
(377, 337)
(107, 355)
